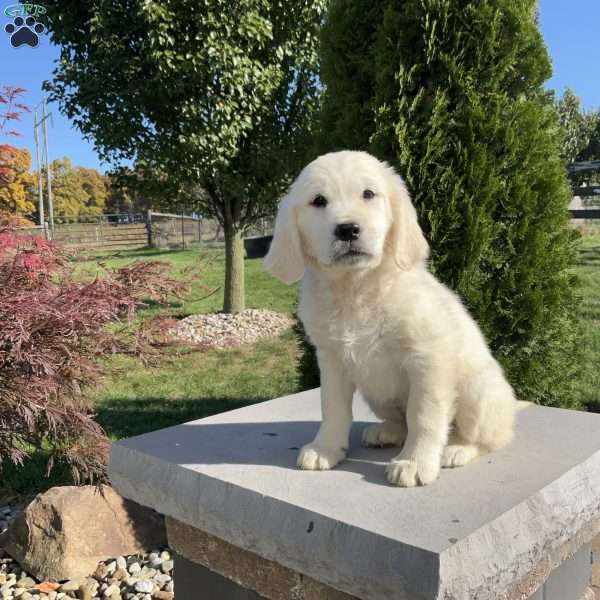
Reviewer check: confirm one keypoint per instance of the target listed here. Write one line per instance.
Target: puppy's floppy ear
(407, 240)
(285, 259)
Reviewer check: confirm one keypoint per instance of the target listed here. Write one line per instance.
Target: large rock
(66, 531)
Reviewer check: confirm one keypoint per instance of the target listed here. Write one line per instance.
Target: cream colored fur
(383, 325)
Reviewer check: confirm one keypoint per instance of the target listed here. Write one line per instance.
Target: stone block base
(209, 568)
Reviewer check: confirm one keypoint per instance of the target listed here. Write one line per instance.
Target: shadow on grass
(125, 254)
(19, 484)
(589, 257)
(120, 418)
(124, 417)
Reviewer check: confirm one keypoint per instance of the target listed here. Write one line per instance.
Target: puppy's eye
(319, 201)
(368, 194)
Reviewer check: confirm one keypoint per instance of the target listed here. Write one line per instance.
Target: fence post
(149, 227)
(182, 232)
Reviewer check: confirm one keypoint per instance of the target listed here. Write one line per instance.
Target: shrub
(308, 367)
(452, 95)
(54, 334)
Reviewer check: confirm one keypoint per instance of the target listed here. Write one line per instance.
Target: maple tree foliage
(54, 333)
(10, 108)
(15, 163)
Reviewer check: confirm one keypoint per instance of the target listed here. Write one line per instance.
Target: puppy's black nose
(347, 231)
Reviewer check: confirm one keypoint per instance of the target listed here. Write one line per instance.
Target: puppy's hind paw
(384, 434)
(458, 455)
(409, 473)
(315, 457)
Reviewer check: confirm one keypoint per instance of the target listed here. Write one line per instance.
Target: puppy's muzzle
(347, 232)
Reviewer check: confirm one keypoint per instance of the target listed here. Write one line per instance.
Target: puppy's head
(346, 211)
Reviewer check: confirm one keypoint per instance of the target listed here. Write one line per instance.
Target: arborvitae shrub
(451, 94)
(307, 365)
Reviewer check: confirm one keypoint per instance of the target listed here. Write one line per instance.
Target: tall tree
(15, 181)
(451, 93)
(146, 186)
(95, 186)
(578, 126)
(219, 94)
(77, 191)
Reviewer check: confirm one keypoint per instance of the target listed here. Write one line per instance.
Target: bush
(452, 95)
(54, 334)
(308, 367)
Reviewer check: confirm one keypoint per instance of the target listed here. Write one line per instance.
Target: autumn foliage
(15, 164)
(15, 180)
(54, 333)
(10, 108)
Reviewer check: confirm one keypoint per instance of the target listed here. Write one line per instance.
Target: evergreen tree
(451, 94)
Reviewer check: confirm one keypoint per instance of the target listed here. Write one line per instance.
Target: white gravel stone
(167, 566)
(216, 330)
(144, 585)
(112, 590)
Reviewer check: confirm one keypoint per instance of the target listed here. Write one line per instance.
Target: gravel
(220, 330)
(147, 576)
(139, 577)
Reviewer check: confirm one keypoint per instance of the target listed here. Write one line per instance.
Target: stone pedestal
(515, 524)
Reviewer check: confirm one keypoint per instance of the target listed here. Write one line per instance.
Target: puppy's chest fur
(353, 325)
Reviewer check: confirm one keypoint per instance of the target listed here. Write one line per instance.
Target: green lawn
(588, 269)
(187, 384)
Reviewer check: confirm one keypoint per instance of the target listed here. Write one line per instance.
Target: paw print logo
(24, 31)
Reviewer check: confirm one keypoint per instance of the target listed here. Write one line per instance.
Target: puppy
(383, 325)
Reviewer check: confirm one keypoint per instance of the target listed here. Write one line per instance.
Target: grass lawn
(588, 269)
(187, 384)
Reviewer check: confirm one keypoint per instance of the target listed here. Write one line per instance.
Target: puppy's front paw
(315, 457)
(409, 472)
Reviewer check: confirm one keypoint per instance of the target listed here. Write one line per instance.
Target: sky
(570, 29)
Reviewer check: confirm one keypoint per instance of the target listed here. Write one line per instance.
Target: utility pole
(39, 174)
(45, 160)
(45, 115)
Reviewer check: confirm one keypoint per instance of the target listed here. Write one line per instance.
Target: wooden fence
(101, 236)
(139, 230)
(130, 231)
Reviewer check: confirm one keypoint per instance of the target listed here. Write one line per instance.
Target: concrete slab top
(234, 476)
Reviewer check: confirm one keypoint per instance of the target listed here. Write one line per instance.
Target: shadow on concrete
(274, 444)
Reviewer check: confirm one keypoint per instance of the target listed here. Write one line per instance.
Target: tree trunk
(234, 269)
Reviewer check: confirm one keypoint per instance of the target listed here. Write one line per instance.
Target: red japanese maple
(52, 338)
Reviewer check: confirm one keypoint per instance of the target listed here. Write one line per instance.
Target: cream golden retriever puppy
(383, 325)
